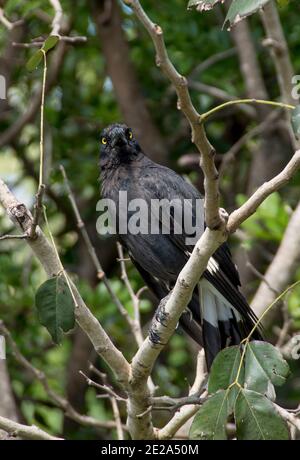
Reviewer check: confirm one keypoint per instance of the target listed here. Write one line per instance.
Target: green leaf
(264, 365)
(50, 42)
(224, 369)
(210, 421)
(296, 121)
(203, 5)
(34, 60)
(240, 9)
(55, 307)
(257, 419)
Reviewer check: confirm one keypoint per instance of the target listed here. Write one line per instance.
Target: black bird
(222, 316)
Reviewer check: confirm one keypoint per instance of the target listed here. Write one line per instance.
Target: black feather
(160, 257)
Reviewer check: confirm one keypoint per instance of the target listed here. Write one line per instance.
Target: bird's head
(117, 145)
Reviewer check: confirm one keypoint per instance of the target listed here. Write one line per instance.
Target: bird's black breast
(162, 255)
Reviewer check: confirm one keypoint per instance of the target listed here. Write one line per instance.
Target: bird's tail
(218, 324)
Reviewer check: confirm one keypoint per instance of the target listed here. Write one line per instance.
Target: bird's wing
(225, 316)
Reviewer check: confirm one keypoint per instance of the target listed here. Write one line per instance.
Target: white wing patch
(214, 306)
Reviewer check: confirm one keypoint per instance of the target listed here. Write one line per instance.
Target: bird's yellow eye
(130, 134)
(104, 140)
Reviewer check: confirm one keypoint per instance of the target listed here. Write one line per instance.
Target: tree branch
(186, 412)
(135, 324)
(46, 254)
(213, 218)
(9, 25)
(247, 209)
(58, 400)
(24, 431)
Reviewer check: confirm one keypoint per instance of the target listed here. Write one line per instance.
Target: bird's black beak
(119, 140)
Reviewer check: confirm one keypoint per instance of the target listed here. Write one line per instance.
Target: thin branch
(113, 397)
(247, 209)
(291, 418)
(58, 24)
(91, 250)
(59, 401)
(13, 237)
(12, 132)
(173, 305)
(212, 60)
(25, 432)
(40, 193)
(211, 112)
(279, 50)
(281, 57)
(117, 418)
(9, 25)
(63, 38)
(221, 95)
(107, 390)
(261, 277)
(38, 206)
(136, 323)
(58, 17)
(47, 256)
(268, 123)
(187, 411)
(213, 218)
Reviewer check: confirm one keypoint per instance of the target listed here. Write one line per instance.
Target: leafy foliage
(256, 418)
(238, 10)
(36, 58)
(264, 365)
(210, 421)
(240, 380)
(55, 307)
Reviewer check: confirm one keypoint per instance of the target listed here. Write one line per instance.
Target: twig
(291, 418)
(268, 123)
(9, 25)
(62, 38)
(261, 277)
(12, 132)
(113, 397)
(211, 112)
(247, 209)
(37, 211)
(13, 237)
(136, 323)
(281, 58)
(221, 95)
(39, 196)
(91, 250)
(117, 418)
(25, 432)
(104, 388)
(47, 256)
(57, 24)
(212, 60)
(187, 411)
(213, 236)
(58, 17)
(213, 218)
(59, 401)
(173, 404)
